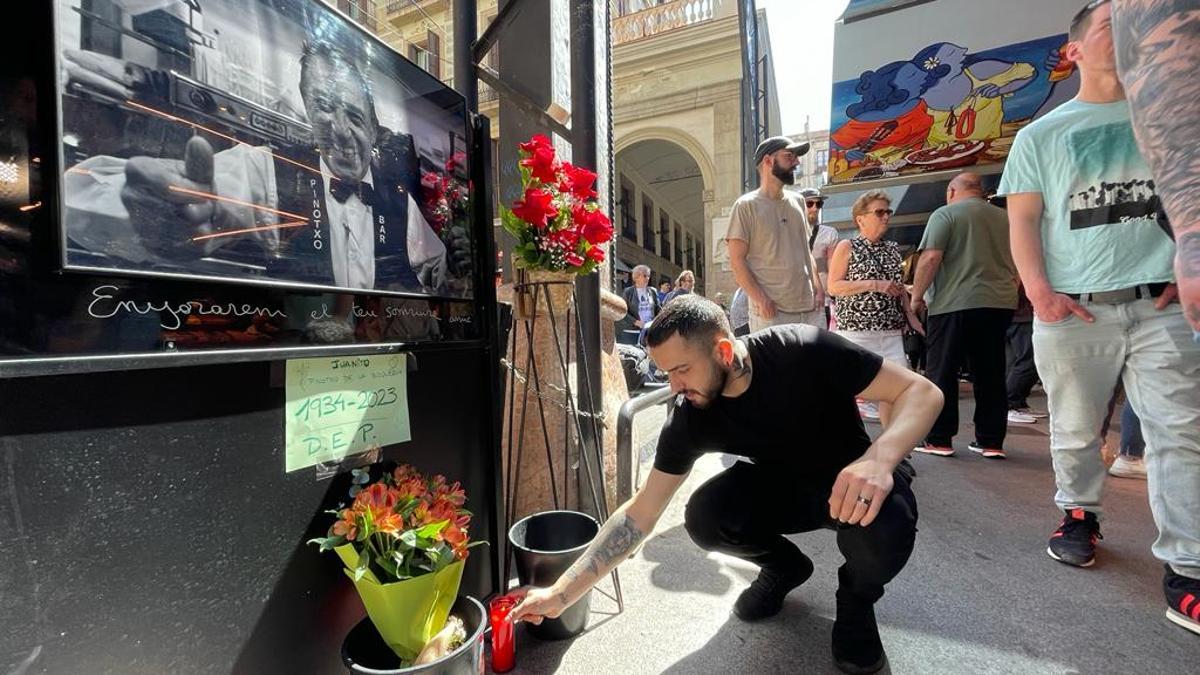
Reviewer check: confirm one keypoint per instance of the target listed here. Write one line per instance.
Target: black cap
(777, 143)
(812, 194)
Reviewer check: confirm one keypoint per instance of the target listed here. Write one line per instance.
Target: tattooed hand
(615, 541)
(536, 605)
(1158, 54)
(1187, 272)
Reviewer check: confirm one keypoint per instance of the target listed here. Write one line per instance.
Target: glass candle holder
(504, 643)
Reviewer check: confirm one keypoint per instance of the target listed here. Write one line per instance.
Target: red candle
(504, 644)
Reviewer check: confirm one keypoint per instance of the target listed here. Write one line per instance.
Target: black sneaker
(764, 597)
(1074, 542)
(1183, 600)
(856, 646)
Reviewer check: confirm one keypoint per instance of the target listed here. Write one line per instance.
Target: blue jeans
(1132, 443)
(1154, 353)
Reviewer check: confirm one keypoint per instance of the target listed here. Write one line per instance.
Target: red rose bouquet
(558, 224)
(403, 540)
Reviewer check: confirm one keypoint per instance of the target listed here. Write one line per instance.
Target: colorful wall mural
(945, 107)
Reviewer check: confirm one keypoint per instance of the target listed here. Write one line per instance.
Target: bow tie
(341, 191)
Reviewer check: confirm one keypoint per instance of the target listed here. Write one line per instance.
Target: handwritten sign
(337, 407)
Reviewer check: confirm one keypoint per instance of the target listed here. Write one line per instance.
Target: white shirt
(351, 246)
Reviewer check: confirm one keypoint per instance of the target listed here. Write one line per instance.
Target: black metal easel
(537, 294)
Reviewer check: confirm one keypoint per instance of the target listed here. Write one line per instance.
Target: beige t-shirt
(776, 235)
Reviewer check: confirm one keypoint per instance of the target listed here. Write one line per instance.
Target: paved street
(979, 595)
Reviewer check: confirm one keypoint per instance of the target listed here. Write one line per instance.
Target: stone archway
(666, 177)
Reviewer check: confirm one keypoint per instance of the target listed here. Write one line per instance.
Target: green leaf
(512, 224)
(408, 538)
(388, 566)
(432, 530)
(364, 563)
(328, 543)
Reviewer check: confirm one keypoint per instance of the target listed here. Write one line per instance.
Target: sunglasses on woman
(879, 213)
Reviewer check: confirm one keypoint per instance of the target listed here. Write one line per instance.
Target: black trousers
(745, 510)
(975, 337)
(1022, 373)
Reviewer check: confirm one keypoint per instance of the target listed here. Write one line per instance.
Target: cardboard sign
(337, 407)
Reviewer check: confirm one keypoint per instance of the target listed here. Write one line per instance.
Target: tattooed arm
(1158, 54)
(618, 537)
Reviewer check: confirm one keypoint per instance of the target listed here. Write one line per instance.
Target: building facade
(677, 120)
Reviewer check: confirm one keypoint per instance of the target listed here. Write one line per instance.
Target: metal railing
(629, 468)
(667, 17)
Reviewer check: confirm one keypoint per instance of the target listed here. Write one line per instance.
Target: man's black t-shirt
(799, 410)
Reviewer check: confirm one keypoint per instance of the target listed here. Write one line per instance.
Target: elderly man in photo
(342, 216)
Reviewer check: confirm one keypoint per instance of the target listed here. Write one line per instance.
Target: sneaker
(764, 597)
(869, 410)
(1128, 467)
(1074, 542)
(1017, 417)
(1183, 600)
(856, 646)
(989, 453)
(1036, 414)
(930, 449)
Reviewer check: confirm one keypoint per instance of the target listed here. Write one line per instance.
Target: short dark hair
(691, 317)
(1083, 19)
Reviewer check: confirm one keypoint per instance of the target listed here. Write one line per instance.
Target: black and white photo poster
(257, 141)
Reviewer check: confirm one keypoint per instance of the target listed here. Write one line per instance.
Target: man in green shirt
(967, 268)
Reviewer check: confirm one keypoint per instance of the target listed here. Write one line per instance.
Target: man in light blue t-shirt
(1095, 253)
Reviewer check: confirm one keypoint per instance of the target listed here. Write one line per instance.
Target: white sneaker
(1128, 467)
(1036, 414)
(1015, 417)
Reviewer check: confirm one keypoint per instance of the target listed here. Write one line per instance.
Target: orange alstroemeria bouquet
(404, 541)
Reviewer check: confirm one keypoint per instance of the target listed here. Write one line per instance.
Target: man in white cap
(768, 241)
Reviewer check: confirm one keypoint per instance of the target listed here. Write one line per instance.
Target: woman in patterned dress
(869, 298)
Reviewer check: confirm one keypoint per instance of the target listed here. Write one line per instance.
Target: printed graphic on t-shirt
(1112, 186)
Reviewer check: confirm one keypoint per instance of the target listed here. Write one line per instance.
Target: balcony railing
(667, 17)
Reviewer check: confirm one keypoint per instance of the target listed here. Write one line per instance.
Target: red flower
(596, 253)
(574, 259)
(536, 208)
(566, 239)
(542, 164)
(596, 226)
(538, 141)
(578, 181)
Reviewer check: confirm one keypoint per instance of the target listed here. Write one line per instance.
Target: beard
(703, 398)
(785, 176)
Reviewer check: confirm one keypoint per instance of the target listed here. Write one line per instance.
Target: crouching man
(783, 397)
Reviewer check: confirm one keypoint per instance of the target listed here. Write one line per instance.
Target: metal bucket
(545, 544)
(365, 653)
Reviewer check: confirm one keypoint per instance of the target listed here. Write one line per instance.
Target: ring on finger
(864, 500)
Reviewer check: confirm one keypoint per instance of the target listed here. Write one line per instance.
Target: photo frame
(257, 142)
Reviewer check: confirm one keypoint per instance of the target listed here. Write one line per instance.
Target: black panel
(150, 528)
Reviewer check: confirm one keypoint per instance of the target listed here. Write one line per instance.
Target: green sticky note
(338, 407)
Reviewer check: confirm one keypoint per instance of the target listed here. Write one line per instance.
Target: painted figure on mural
(945, 107)
(967, 100)
(888, 120)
